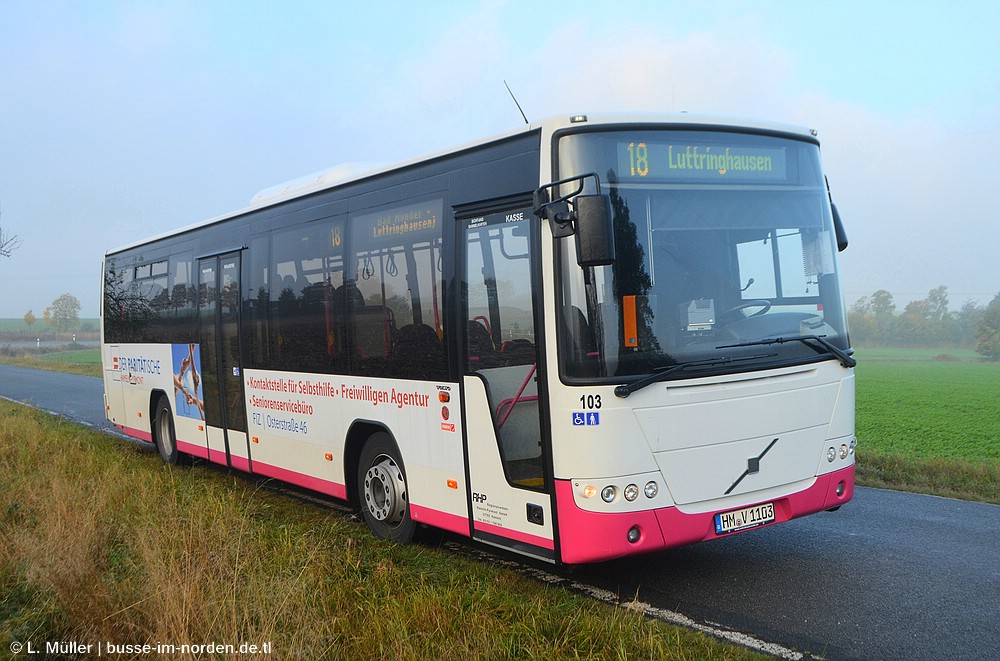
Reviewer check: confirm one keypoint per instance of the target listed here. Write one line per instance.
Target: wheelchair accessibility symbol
(586, 418)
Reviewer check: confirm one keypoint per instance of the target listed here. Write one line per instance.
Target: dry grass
(99, 541)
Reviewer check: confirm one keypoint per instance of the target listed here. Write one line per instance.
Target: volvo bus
(591, 337)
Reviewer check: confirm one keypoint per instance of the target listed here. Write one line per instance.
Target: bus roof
(346, 173)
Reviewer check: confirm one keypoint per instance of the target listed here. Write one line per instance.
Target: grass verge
(101, 542)
(950, 478)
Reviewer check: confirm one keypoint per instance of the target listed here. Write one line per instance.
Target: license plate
(748, 517)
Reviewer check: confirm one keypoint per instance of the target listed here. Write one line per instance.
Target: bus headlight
(844, 451)
(831, 454)
(608, 493)
(651, 489)
(631, 492)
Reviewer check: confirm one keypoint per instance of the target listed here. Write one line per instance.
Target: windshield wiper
(845, 358)
(662, 373)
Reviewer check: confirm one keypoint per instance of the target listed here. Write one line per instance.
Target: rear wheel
(382, 490)
(163, 432)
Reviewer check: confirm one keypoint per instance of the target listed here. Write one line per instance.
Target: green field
(75, 361)
(929, 421)
(928, 408)
(10, 325)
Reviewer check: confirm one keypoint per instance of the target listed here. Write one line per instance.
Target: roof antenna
(515, 102)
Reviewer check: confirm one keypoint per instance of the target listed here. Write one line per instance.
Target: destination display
(411, 223)
(700, 162)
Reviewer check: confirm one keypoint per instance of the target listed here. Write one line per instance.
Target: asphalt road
(890, 576)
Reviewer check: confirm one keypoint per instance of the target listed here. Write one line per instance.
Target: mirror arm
(541, 196)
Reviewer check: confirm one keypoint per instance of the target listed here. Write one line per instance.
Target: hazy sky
(120, 120)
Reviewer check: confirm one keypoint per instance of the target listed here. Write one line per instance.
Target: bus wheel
(163, 432)
(383, 495)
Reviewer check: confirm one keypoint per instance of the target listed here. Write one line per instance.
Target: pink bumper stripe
(593, 536)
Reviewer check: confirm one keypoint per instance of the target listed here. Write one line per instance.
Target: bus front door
(219, 296)
(509, 481)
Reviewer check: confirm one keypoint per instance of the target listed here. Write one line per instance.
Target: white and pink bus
(588, 338)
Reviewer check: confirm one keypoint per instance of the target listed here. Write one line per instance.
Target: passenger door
(509, 474)
(220, 297)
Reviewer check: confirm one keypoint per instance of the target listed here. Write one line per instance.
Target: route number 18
(638, 158)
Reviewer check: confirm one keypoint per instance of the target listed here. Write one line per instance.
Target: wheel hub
(385, 491)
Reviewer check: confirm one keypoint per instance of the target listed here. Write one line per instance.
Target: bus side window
(306, 269)
(397, 328)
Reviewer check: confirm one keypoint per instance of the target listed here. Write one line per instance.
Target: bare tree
(8, 243)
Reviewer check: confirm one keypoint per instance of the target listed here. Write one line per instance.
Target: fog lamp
(841, 487)
(634, 534)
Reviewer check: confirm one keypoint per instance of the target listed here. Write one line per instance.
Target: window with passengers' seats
(397, 321)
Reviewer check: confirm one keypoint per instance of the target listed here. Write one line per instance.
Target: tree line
(875, 321)
(63, 315)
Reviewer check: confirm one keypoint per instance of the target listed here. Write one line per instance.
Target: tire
(382, 491)
(163, 433)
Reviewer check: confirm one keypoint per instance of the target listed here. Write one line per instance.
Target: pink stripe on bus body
(438, 519)
(136, 433)
(300, 479)
(192, 449)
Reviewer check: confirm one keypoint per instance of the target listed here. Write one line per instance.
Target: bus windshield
(725, 241)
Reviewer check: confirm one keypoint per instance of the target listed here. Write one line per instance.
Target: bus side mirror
(595, 230)
(838, 226)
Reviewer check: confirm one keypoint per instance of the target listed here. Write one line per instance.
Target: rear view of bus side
(589, 338)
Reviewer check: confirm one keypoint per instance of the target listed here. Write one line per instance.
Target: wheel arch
(359, 432)
(154, 399)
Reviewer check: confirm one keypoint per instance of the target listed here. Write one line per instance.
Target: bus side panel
(131, 373)
(298, 424)
(113, 400)
(140, 369)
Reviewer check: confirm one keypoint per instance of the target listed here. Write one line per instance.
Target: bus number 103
(590, 401)
(638, 158)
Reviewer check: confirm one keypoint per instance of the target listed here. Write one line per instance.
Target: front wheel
(382, 490)
(163, 433)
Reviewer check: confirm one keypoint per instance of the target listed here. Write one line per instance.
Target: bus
(592, 337)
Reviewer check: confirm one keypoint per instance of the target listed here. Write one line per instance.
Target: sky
(123, 120)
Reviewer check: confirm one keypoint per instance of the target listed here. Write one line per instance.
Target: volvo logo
(753, 467)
